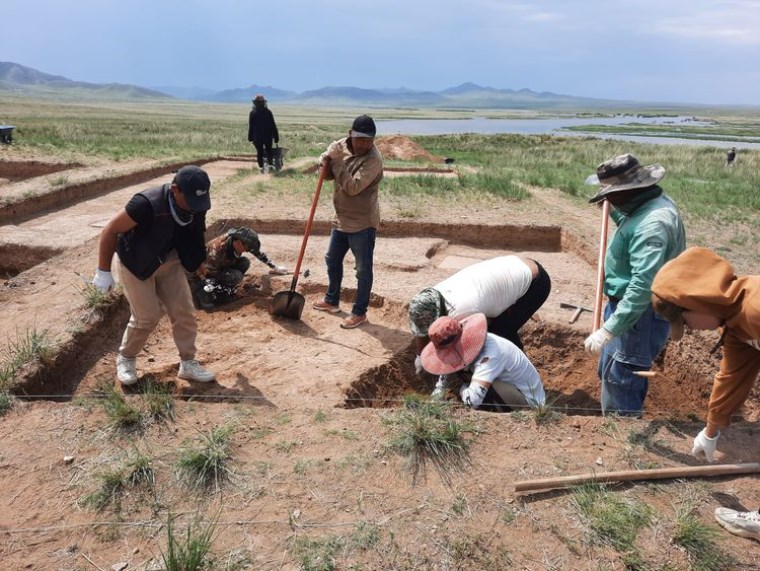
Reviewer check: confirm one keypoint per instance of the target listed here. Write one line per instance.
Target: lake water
(553, 126)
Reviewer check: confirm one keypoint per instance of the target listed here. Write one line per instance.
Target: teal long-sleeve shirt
(643, 241)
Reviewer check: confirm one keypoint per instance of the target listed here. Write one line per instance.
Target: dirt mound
(404, 149)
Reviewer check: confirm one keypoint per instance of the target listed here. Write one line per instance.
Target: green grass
(158, 399)
(189, 552)
(612, 520)
(31, 347)
(121, 414)
(207, 465)
(6, 403)
(425, 431)
(700, 541)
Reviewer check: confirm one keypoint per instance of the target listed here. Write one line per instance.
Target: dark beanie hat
(364, 124)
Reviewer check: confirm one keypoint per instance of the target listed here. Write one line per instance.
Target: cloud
(735, 23)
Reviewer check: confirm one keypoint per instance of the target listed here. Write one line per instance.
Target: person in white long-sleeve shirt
(502, 376)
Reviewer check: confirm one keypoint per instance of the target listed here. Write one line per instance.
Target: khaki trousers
(167, 287)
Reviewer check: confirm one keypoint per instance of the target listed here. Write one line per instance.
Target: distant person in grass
(158, 236)
(226, 266)
(356, 167)
(699, 289)
(649, 233)
(730, 157)
(262, 130)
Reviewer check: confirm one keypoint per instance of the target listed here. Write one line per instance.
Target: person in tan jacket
(701, 290)
(356, 167)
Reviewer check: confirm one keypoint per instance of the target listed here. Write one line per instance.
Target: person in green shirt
(649, 233)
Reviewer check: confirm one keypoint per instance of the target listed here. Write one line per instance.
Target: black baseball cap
(195, 185)
(363, 126)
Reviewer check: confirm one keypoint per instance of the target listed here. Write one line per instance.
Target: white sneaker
(745, 524)
(126, 370)
(192, 371)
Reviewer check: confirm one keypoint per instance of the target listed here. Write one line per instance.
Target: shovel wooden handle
(307, 231)
(633, 475)
(597, 321)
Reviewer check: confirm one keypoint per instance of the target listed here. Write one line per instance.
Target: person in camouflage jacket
(226, 266)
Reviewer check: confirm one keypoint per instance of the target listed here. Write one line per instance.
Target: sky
(691, 51)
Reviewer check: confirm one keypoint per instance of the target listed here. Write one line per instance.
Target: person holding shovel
(356, 167)
(158, 236)
(507, 289)
(503, 378)
(649, 233)
(701, 290)
(226, 266)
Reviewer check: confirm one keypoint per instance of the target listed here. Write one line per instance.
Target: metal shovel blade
(288, 304)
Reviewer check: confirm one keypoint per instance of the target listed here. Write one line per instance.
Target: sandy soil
(307, 400)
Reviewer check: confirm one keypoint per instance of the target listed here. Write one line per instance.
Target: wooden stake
(597, 320)
(634, 475)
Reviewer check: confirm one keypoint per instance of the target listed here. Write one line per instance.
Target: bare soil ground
(310, 463)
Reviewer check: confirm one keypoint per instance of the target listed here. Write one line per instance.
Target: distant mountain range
(18, 79)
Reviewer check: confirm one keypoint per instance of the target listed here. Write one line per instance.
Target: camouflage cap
(424, 309)
(248, 237)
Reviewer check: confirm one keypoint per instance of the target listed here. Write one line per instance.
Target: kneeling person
(226, 266)
(501, 374)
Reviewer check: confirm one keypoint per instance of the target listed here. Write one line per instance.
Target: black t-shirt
(140, 210)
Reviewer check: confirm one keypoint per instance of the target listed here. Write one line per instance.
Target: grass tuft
(425, 431)
(191, 551)
(121, 414)
(158, 399)
(207, 465)
(612, 521)
(699, 541)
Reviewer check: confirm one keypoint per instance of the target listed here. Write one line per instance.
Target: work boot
(744, 524)
(192, 370)
(126, 370)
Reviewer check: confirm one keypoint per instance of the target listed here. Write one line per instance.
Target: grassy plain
(715, 200)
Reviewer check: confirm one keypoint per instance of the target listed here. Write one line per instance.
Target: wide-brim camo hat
(424, 309)
(454, 343)
(624, 172)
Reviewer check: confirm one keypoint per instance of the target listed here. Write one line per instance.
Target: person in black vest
(158, 235)
(261, 130)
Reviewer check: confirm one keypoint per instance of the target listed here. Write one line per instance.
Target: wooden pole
(633, 475)
(597, 321)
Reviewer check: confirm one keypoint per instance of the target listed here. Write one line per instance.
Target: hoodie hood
(699, 280)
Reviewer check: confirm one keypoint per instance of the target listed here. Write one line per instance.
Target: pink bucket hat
(454, 343)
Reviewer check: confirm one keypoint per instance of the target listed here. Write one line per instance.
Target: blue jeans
(362, 246)
(623, 392)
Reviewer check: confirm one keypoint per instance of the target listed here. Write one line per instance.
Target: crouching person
(503, 378)
(226, 267)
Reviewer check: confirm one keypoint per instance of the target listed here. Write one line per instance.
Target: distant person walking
(262, 129)
(356, 168)
(731, 157)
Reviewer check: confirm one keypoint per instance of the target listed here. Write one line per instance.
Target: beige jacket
(701, 281)
(356, 184)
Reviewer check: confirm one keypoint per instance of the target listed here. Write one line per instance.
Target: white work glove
(439, 392)
(472, 394)
(279, 271)
(597, 340)
(418, 368)
(705, 444)
(103, 280)
(334, 150)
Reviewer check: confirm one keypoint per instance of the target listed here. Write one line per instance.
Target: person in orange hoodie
(700, 289)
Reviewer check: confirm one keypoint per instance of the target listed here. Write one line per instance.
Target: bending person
(502, 376)
(507, 289)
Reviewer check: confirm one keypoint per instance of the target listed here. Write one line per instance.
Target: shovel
(289, 304)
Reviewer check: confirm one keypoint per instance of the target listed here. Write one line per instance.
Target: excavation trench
(266, 361)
